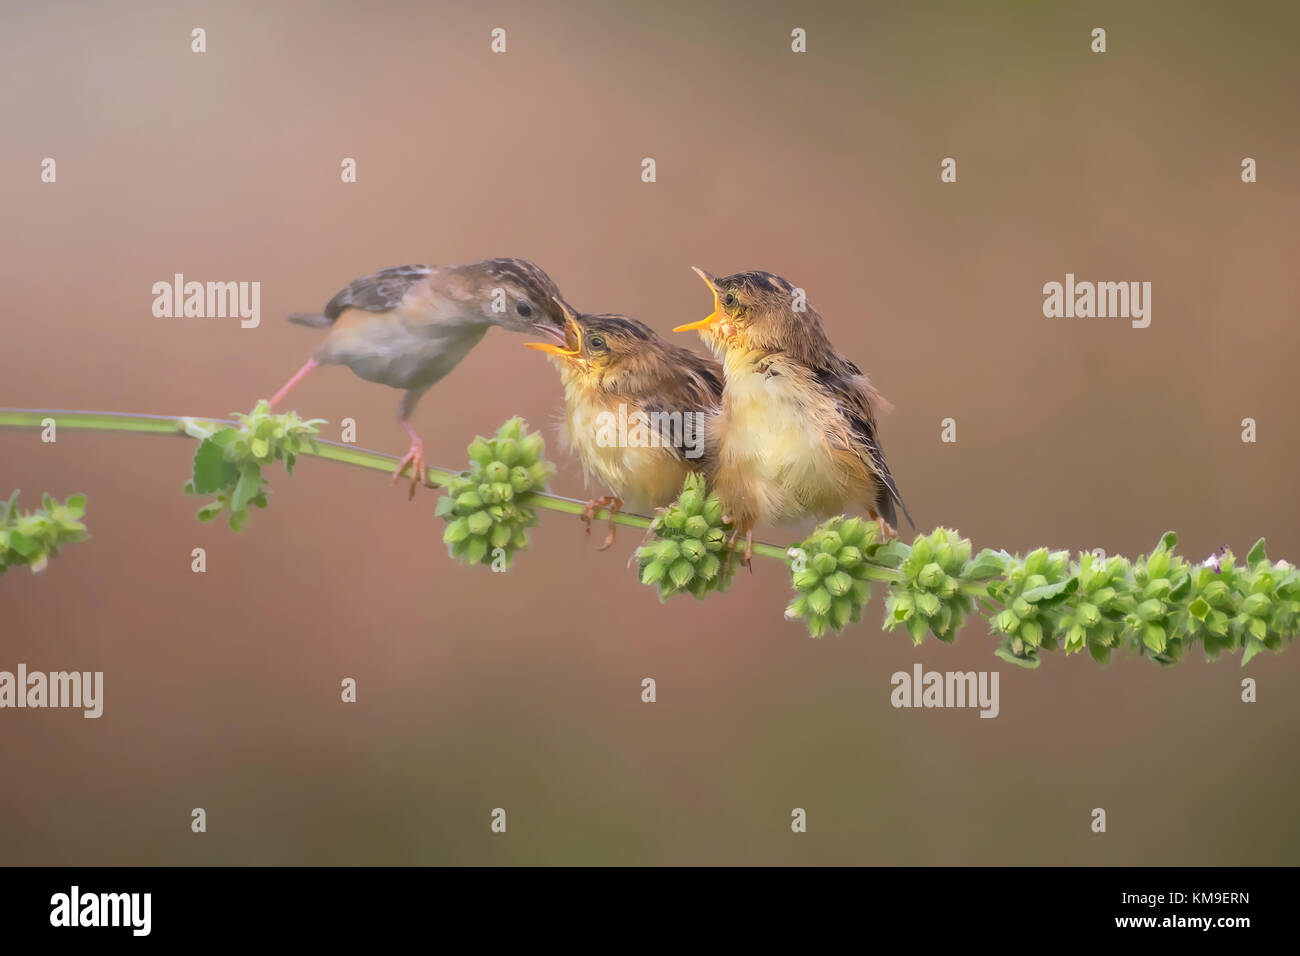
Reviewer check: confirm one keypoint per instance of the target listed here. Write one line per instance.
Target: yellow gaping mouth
(712, 316)
(572, 334)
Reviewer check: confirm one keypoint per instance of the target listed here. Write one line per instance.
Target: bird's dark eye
(523, 308)
(596, 341)
(729, 300)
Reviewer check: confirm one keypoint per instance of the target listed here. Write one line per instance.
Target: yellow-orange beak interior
(572, 347)
(712, 316)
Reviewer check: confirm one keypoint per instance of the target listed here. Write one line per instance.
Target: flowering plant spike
(229, 461)
(1158, 605)
(31, 538)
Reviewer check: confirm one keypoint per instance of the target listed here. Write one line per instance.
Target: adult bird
(408, 326)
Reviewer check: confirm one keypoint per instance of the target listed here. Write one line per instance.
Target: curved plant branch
(1158, 605)
(183, 426)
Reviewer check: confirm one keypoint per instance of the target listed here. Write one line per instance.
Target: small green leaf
(987, 564)
(212, 472)
(24, 545)
(1029, 663)
(1253, 647)
(1048, 592)
(247, 487)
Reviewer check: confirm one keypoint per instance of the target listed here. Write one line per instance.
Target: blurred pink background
(522, 691)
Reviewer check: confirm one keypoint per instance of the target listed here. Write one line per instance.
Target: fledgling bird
(797, 433)
(409, 326)
(637, 409)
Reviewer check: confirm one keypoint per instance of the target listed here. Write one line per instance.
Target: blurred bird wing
(382, 291)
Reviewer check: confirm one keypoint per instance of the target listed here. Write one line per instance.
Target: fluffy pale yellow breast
(774, 461)
(643, 477)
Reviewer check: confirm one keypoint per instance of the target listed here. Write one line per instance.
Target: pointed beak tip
(551, 348)
(692, 326)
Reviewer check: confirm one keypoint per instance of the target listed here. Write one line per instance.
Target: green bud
(681, 572)
(927, 604)
(692, 502)
(532, 448)
(823, 564)
(930, 575)
(712, 510)
(692, 549)
(507, 451)
(839, 584)
(479, 522)
(1151, 610)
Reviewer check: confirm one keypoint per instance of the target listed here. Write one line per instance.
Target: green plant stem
(329, 450)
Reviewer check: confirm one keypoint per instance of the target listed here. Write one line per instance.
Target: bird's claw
(748, 559)
(589, 514)
(414, 458)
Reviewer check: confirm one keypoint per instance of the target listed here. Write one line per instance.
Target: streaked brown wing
(858, 402)
(692, 385)
(702, 378)
(380, 292)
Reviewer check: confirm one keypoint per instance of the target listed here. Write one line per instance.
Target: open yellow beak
(712, 316)
(573, 332)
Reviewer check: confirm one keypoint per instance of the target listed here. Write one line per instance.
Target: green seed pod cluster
(228, 462)
(1214, 603)
(264, 438)
(1258, 604)
(690, 547)
(488, 508)
(31, 538)
(829, 573)
(1161, 581)
(1093, 616)
(930, 595)
(1031, 592)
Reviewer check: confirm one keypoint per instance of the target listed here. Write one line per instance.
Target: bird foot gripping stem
(614, 504)
(414, 458)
